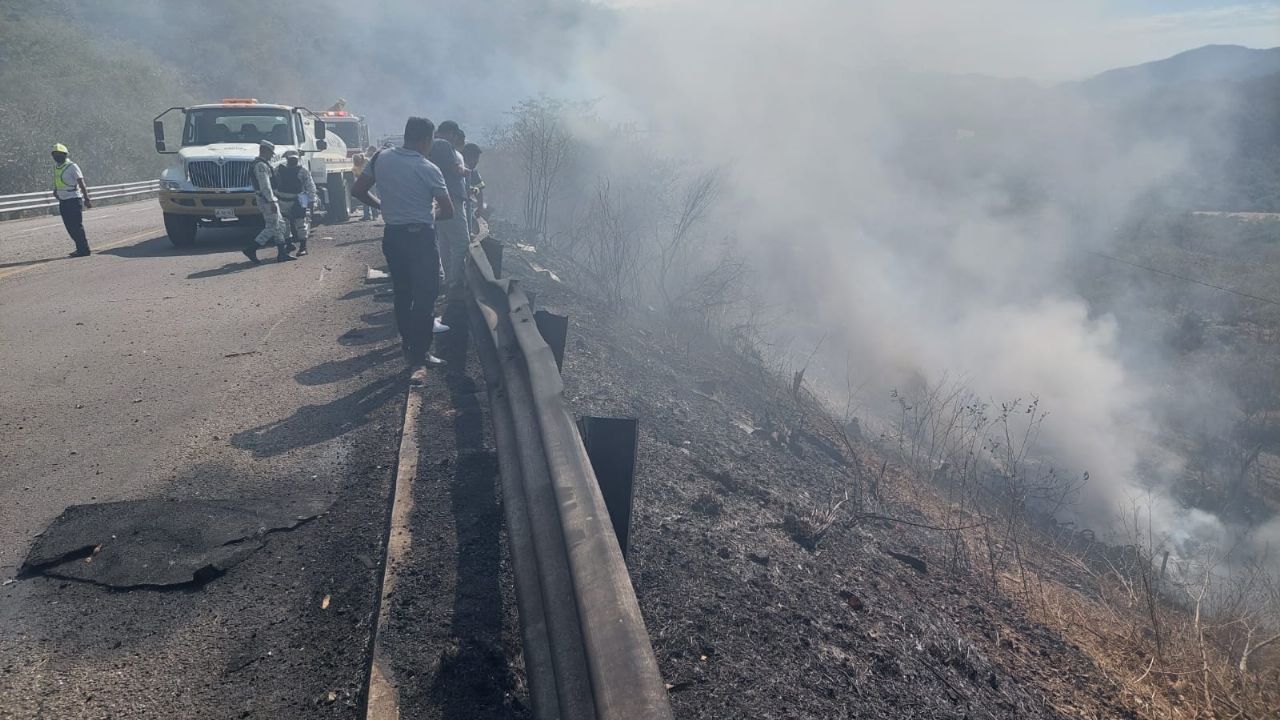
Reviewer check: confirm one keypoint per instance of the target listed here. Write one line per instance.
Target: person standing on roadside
(407, 184)
(273, 229)
(460, 142)
(69, 190)
(475, 186)
(359, 161)
(452, 233)
(295, 189)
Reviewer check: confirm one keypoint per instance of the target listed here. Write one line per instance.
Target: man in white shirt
(69, 190)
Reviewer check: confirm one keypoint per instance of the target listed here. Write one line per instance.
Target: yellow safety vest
(57, 175)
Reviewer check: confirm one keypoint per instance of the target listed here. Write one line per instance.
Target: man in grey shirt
(407, 185)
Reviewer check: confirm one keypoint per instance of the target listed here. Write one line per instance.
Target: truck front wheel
(181, 229)
(339, 199)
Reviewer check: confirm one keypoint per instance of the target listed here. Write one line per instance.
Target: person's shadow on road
(214, 242)
(332, 371)
(23, 263)
(224, 270)
(473, 681)
(313, 424)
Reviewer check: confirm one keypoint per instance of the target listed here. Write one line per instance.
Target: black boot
(283, 254)
(302, 248)
(251, 252)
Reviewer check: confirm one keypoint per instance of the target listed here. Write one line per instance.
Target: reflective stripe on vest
(57, 175)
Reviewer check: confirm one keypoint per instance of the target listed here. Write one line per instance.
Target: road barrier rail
(587, 653)
(42, 202)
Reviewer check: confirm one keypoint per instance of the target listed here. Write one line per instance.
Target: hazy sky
(1056, 40)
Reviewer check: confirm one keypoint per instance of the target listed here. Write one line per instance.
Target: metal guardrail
(23, 204)
(587, 653)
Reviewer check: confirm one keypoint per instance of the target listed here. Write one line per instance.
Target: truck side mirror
(322, 144)
(157, 127)
(320, 130)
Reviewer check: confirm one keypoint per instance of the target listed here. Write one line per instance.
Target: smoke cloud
(892, 192)
(928, 221)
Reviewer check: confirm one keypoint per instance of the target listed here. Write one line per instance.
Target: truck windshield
(349, 131)
(237, 125)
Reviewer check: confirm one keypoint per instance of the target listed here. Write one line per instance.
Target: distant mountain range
(1218, 104)
(1208, 64)
(1223, 102)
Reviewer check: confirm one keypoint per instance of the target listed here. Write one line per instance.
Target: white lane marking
(270, 331)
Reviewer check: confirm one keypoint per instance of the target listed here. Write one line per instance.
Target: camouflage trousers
(274, 231)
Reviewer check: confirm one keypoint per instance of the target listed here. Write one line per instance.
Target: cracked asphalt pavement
(150, 373)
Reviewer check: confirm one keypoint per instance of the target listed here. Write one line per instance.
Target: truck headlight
(170, 185)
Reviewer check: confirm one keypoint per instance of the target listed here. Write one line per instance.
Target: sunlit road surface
(148, 372)
(35, 241)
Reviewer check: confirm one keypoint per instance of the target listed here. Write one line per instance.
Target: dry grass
(1166, 657)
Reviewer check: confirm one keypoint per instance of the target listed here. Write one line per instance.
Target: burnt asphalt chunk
(161, 543)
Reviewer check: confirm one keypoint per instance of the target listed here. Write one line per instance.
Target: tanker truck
(209, 182)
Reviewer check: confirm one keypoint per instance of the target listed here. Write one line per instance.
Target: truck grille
(230, 175)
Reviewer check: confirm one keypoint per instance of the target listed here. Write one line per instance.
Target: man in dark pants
(407, 185)
(69, 189)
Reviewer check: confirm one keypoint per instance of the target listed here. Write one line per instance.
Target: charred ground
(765, 596)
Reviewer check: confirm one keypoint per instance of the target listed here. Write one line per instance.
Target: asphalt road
(146, 372)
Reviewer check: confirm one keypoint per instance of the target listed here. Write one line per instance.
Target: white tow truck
(209, 183)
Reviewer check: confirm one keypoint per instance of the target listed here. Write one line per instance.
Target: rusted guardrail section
(42, 202)
(586, 650)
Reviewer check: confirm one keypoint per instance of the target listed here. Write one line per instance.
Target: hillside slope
(766, 593)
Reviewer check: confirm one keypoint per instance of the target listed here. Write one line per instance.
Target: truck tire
(339, 199)
(181, 229)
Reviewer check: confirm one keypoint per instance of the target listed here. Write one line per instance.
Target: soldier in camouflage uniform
(296, 190)
(273, 230)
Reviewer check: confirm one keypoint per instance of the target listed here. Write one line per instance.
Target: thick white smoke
(929, 220)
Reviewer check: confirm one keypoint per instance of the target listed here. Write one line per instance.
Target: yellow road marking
(155, 232)
(125, 209)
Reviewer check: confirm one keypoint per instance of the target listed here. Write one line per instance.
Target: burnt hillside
(789, 567)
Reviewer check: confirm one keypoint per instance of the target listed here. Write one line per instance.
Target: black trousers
(414, 264)
(72, 213)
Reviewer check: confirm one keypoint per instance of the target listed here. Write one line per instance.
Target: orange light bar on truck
(334, 113)
(239, 101)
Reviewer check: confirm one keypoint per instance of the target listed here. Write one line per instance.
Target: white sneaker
(433, 361)
(438, 327)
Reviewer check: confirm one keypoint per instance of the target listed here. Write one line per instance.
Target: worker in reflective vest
(70, 191)
(296, 191)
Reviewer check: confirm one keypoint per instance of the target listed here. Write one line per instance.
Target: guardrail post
(554, 330)
(611, 446)
(493, 253)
